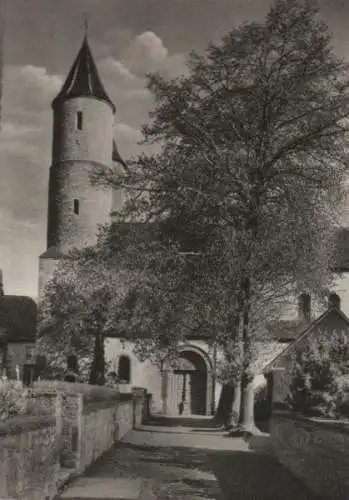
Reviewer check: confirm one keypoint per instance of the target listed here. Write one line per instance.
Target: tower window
(79, 120)
(76, 207)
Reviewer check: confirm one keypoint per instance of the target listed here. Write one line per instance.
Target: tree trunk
(236, 406)
(223, 413)
(233, 410)
(243, 399)
(97, 373)
(246, 417)
(247, 411)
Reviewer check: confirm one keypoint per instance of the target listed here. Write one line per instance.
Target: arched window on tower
(124, 369)
(334, 301)
(79, 120)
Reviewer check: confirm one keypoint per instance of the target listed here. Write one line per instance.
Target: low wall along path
(39, 453)
(315, 450)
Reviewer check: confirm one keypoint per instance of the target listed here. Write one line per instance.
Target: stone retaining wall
(102, 428)
(34, 450)
(29, 452)
(315, 450)
(88, 430)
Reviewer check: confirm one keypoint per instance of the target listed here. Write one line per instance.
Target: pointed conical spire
(83, 79)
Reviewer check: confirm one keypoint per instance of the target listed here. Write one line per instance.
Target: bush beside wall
(90, 392)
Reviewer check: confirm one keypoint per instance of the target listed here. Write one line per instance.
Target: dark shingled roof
(18, 316)
(306, 331)
(83, 79)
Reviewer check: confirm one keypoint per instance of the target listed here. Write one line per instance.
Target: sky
(127, 38)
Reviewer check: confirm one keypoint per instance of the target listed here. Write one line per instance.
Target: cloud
(29, 88)
(115, 69)
(25, 141)
(39, 77)
(127, 131)
(13, 135)
(146, 53)
(125, 77)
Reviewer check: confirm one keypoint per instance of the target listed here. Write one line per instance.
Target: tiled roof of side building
(314, 325)
(18, 316)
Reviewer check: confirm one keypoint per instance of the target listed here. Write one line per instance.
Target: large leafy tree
(249, 173)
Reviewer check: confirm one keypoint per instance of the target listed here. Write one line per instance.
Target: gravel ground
(196, 463)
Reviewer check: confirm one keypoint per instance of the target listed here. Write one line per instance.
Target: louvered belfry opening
(334, 301)
(304, 307)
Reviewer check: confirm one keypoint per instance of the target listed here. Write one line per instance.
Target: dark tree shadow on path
(189, 473)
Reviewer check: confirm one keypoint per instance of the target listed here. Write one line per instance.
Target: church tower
(83, 118)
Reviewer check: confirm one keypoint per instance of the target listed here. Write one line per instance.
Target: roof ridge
(307, 330)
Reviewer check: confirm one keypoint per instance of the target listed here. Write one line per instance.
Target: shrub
(319, 376)
(96, 394)
(13, 400)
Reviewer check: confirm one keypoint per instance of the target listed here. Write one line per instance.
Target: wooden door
(174, 393)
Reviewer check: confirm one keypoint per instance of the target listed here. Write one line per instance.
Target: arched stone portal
(189, 385)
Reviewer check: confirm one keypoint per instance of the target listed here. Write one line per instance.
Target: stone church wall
(147, 375)
(143, 374)
(46, 270)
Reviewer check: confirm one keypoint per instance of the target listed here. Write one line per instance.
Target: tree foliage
(249, 172)
(75, 311)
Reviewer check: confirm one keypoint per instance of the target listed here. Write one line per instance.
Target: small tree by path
(320, 375)
(75, 311)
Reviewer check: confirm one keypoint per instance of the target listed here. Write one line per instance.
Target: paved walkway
(185, 460)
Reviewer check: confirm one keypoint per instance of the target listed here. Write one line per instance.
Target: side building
(18, 319)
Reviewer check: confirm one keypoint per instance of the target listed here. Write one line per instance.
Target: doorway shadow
(195, 422)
